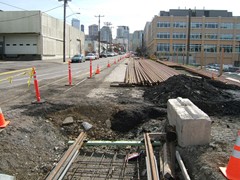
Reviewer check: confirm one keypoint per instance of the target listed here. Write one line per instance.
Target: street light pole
(99, 16)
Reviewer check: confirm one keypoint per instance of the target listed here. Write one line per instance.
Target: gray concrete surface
(193, 126)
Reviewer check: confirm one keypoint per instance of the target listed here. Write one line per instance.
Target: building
(76, 23)
(106, 34)
(93, 31)
(211, 32)
(123, 33)
(137, 40)
(27, 35)
(82, 27)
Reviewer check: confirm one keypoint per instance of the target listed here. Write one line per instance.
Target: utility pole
(99, 16)
(108, 24)
(64, 28)
(189, 33)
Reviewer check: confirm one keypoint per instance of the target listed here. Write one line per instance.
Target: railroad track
(121, 160)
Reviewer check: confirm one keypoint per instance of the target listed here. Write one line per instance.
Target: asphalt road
(16, 73)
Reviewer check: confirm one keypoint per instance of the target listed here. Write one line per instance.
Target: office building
(93, 31)
(82, 27)
(211, 32)
(76, 23)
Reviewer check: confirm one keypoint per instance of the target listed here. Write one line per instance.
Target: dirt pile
(213, 97)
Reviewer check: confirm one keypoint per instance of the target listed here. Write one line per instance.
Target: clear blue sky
(132, 13)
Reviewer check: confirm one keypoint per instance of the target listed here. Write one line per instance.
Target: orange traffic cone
(3, 123)
(98, 70)
(232, 169)
(108, 64)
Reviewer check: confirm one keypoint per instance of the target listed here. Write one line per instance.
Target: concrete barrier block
(193, 126)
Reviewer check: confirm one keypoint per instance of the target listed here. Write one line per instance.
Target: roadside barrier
(9, 76)
(3, 123)
(69, 74)
(232, 170)
(90, 76)
(36, 85)
(98, 70)
(108, 65)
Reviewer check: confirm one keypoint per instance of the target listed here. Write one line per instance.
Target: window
(238, 36)
(178, 47)
(227, 48)
(163, 35)
(163, 47)
(211, 25)
(196, 36)
(34, 44)
(196, 25)
(226, 25)
(179, 24)
(237, 26)
(27, 44)
(179, 36)
(210, 36)
(210, 48)
(195, 47)
(7, 44)
(226, 36)
(20, 44)
(163, 24)
(14, 44)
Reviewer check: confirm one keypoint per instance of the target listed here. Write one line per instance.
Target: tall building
(123, 33)
(106, 34)
(137, 40)
(211, 32)
(93, 31)
(82, 27)
(76, 23)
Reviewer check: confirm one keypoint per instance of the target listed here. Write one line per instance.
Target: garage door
(21, 44)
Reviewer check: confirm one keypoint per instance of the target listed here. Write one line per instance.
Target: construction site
(132, 119)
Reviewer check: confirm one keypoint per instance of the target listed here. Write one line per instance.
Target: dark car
(78, 58)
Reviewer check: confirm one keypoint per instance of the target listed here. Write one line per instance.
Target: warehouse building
(211, 32)
(29, 35)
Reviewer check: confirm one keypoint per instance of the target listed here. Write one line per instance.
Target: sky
(131, 13)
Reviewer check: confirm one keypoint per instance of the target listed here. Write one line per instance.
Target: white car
(90, 56)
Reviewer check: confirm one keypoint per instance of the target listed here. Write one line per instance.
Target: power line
(7, 20)
(13, 6)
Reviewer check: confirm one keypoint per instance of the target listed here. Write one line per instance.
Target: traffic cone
(98, 70)
(232, 170)
(3, 123)
(108, 64)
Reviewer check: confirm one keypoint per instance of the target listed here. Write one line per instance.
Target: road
(16, 76)
(17, 72)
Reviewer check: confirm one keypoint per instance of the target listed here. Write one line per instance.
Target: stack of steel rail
(147, 72)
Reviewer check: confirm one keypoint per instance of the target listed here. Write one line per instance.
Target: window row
(21, 44)
(196, 48)
(166, 35)
(199, 25)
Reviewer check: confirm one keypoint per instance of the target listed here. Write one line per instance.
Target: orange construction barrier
(3, 123)
(108, 64)
(232, 170)
(98, 70)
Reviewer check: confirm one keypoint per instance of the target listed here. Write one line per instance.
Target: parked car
(103, 54)
(96, 55)
(90, 56)
(110, 54)
(78, 58)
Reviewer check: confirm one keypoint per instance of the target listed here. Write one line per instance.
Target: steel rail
(60, 168)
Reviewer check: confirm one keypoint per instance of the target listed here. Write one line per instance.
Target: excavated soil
(37, 136)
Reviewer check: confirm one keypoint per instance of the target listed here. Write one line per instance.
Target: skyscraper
(76, 23)
(93, 31)
(82, 27)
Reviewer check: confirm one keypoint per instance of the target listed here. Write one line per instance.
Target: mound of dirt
(128, 119)
(213, 97)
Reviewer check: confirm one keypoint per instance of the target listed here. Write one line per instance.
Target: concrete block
(193, 126)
